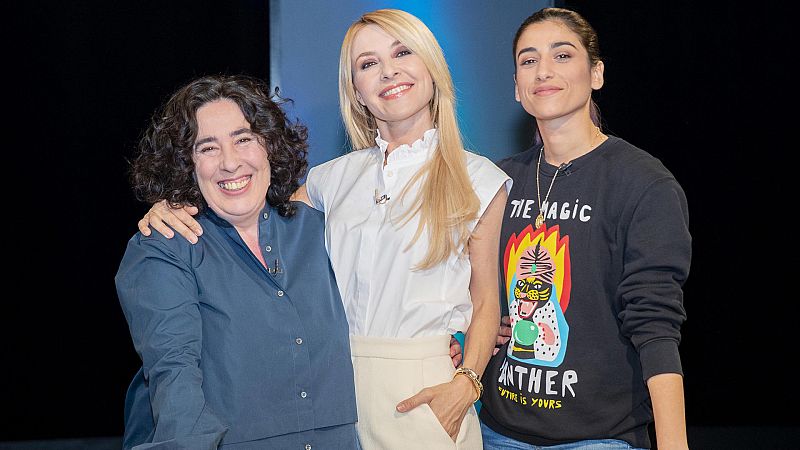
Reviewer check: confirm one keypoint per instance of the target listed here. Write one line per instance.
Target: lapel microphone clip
(380, 199)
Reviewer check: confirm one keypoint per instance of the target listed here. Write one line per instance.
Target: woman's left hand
(448, 401)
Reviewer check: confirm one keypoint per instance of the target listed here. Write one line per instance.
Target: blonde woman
(412, 225)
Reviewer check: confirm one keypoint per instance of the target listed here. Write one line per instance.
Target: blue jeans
(496, 441)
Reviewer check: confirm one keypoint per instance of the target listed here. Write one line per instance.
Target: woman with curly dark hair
(164, 167)
(243, 337)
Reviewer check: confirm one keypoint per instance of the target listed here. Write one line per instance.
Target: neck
(249, 235)
(404, 132)
(561, 149)
(570, 137)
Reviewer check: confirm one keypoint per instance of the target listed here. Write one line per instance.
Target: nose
(543, 70)
(230, 161)
(389, 70)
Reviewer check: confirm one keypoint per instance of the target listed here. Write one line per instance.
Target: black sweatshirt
(595, 296)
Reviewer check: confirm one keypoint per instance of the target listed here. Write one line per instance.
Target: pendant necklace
(540, 217)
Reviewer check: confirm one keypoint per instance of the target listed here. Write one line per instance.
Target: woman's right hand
(161, 217)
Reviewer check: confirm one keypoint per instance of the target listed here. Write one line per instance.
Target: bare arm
(481, 335)
(666, 392)
(451, 401)
(161, 217)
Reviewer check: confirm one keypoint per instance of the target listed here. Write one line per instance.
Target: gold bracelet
(473, 376)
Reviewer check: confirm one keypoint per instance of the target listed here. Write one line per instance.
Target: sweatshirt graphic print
(536, 274)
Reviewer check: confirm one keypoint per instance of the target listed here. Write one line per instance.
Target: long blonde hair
(446, 202)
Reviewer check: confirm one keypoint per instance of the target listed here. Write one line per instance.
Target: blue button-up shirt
(233, 351)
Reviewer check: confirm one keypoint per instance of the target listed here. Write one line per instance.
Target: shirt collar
(418, 150)
(266, 212)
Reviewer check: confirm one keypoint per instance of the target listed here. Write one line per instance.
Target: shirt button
(280, 293)
(299, 341)
(268, 248)
(266, 215)
(389, 173)
(308, 446)
(303, 394)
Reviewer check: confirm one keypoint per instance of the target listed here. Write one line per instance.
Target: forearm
(481, 336)
(666, 392)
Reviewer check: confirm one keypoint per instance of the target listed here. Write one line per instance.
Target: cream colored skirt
(388, 371)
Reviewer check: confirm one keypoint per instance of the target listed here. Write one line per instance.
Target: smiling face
(231, 165)
(554, 79)
(391, 81)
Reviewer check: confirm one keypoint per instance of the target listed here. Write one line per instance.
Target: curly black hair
(163, 168)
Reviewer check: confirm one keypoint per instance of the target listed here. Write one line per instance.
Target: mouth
(235, 185)
(395, 91)
(546, 90)
(526, 308)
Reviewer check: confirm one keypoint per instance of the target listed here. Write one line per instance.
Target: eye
(244, 140)
(563, 56)
(367, 64)
(206, 149)
(527, 61)
(403, 52)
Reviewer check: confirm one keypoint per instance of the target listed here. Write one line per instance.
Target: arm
(666, 392)
(657, 260)
(161, 217)
(451, 401)
(157, 293)
(481, 335)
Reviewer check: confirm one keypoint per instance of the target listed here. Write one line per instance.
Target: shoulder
(152, 254)
(302, 233)
(305, 214)
(305, 221)
(640, 180)
(176, 247)
(519, 161)
(639, 166)
(486, 177)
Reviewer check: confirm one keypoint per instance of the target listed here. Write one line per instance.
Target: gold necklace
(540, 217)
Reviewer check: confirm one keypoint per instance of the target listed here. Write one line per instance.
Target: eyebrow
(234, 133)
(394, 44)
(553, 45)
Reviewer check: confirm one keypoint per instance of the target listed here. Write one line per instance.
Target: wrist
(472, 377)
